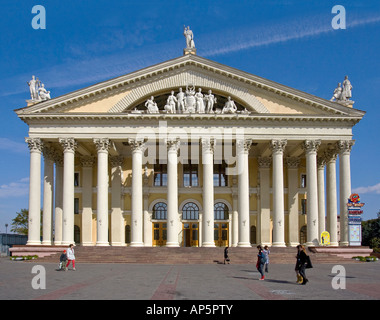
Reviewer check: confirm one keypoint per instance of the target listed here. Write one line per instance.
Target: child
(62, 261)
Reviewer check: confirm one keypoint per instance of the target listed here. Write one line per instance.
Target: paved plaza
(186, 282)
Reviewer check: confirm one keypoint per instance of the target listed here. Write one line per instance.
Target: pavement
(205, 284)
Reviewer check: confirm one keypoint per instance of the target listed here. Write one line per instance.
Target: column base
(344, 243)
(293, 244)
(172, 244)
(312, 244)
(116, 244)
(57, 243)
(46, 243)
(102, 244)
(137, 244)
(87, 244)
(333, 244)
(279, 244)
(208, 244)
(33, 243)
(244, 244)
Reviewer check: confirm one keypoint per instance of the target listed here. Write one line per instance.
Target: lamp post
(6, 237)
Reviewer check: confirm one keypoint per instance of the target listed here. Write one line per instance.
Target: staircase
(191, 255)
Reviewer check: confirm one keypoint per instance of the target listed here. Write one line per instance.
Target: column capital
(102, 144)
(321, 162)
(34, 144)
(68, 144)
(264, 162)
(311, 146)
(173, 144)
(243, 145)
(345, 146)
(49, 152)
(330, 155)
(137, 145)
(208, 144)
(116, 161)
(58, 159)
(278, 146)
(87, 161)
(292, 162)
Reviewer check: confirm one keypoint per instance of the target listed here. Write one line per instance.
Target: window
(160, 175)
(190, 175)
(220, 211)
(160, 211)
(76, 179)
(303, 180)
(190, 211)
(303, 206)
(220, 177)
(76, 205)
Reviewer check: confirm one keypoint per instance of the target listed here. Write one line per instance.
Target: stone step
(181, 255)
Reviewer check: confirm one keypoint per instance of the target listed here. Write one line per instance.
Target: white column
(35, 146)
(102, 146)
(58, 199)
(86, 231)
(321, 195)
(116, 213)
(47, 215)
(243, 146)
(235, 219)
(278, 147)
(344, 147)
(263, 228)
(311, 148)
(293, 165)
(69, 145)
(172, 218)
(137, 193)
(331, 199)
(208, 191)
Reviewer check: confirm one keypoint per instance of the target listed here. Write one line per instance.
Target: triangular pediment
(127, 93)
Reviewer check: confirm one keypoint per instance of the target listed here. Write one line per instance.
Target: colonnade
(64, 193)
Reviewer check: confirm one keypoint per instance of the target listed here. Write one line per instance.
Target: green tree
(20, 223)
(370, 231)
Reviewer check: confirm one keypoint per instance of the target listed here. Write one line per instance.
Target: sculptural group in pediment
(191, 101)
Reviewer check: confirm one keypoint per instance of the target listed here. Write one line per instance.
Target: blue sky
(290, 42)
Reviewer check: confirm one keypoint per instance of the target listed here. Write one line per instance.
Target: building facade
(188, 152)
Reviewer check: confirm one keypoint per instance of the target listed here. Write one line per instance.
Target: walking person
(301, 263)
(70, 256)
(266, 252)
(260, 261)
(226, 258)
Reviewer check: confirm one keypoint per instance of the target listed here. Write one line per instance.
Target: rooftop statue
(37, 90)
(151, 105)
(189, 37)
(342, 94)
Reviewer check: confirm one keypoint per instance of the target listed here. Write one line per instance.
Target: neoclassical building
(188, 152)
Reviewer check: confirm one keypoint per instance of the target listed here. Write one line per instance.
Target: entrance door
(159, 234)
(190, 235)
(221, 234)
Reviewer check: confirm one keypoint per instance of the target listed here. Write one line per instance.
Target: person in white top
(70, 256)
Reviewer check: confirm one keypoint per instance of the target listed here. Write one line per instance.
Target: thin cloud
(370, 189)
(13, 146)
(16, 189)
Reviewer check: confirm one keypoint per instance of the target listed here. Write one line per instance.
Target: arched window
(220, 211)
(190, 211)
(76, 234)
(160, 211)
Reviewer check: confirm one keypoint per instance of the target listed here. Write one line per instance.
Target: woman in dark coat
(301, 263)
(226, 258)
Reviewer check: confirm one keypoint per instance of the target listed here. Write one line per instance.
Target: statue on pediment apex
(189, 37)
(43, 93)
